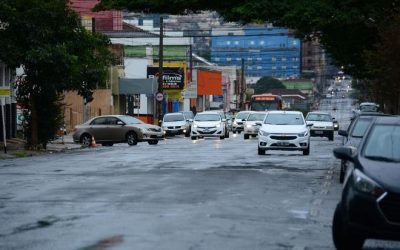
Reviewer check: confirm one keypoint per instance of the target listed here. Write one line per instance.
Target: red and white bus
(265, 102)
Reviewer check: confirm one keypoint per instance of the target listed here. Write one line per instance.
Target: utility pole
(160, 70)
(242, 87)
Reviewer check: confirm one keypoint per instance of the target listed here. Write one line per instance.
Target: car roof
(319, 113)
(390, 119)
(209, 112)
(283, 112)
(174, 113)
(369, 103)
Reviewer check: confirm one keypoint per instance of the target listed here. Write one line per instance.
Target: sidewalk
(16, 147)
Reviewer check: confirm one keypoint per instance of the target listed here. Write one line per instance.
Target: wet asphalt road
(179, 194)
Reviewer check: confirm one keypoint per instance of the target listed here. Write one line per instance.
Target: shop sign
(173, 77)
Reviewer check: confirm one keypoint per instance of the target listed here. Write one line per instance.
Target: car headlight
(143, 130)
(263, 133)
(365, 184)
(218, 125)
(195, 125)
(303, 134)
(248, 126)
(235, 122)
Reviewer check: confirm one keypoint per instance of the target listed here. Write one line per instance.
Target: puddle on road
(299, 214)
(267, 167)
(42, 223)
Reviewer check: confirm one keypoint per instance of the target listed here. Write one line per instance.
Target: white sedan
(284, 130)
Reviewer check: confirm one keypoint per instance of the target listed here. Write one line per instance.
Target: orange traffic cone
(93, 143)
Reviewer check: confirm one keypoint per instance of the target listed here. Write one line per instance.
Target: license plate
(319, 132)
(283, 143)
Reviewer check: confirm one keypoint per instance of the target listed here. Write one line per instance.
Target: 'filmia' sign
(173, 77)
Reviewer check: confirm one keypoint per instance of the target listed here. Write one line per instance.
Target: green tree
(351, 32)
(266, 83)
(57, 54)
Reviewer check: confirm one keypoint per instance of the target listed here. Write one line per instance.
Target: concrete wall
(73, 111)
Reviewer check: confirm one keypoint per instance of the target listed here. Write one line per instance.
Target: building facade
(261, 50)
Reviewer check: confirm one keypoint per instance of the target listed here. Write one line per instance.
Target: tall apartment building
(265, 50)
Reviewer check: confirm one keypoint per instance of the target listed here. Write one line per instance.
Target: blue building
(267, 51)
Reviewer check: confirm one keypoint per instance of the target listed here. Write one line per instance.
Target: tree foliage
(57, 54)
(266, 83)
(350, 31)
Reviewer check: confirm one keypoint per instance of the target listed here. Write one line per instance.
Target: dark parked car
(370, 204)
(110, 129)
(354, 134)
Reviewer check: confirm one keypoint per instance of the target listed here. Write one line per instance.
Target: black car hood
(386, 174)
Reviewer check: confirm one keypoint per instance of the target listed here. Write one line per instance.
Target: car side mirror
(333, 119)
(120, 123)
(343, 133)
(345, 153)
(224, 120)
(310, 124)
(258, 123)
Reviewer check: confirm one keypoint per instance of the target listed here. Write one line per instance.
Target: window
(238, 58)
(236, 42)
(249, 59)
(283, 67)
(252, 42)
(259, 67)
(262, 42)
(259, 59)
(283, 59)
(216, 59)
(228, 42)
(273, 59)
(273, 67)
(228, 59)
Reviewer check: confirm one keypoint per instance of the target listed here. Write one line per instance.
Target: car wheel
(153, 142)
(306, 151)
(239, 132)
(193, 137)
(342, 171)
(107, 144)
(261, 151)
(86, 140)
(342, 238)
(131, 138)
(246, 136)
(331, 137)
(234, 131)
(222, 137)
(227, 134)
(187, 134)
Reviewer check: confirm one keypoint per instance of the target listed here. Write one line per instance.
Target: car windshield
(319, 117)
(284, 119)
(360, 127)
(242, 115)
(383, 143)
(369, 108)
(256, 117)
(207, 117)
(130, 120)
(174, 118)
